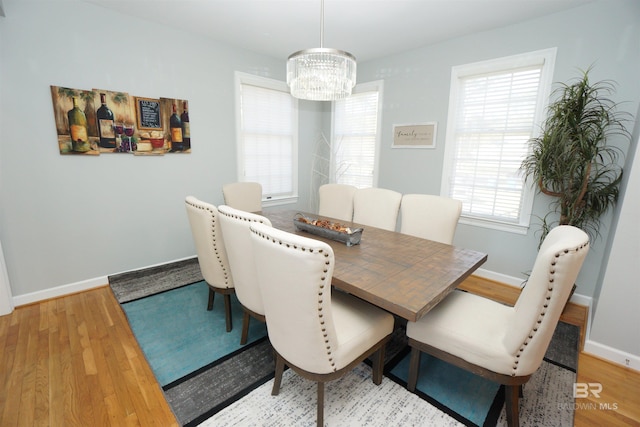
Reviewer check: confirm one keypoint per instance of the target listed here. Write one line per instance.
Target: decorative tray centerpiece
(328, 229)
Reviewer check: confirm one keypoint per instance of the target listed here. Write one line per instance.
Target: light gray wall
(616, 318)
(605, 34)
(66, 219)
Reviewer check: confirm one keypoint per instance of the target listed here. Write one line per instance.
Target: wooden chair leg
(512, 405)
(277, 379)
(414, 366)
(227, 312)
(378, 365)
(320, 415)
(210, 303)
(245, 327)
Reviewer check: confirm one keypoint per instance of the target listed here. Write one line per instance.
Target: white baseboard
(60, 291)
(72, 288)
(519, 283)
(611, 354)
(582, 300)
(499, 277)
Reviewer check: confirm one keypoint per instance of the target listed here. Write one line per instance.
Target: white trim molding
(72, 288)
(60, 291)
(519, 283)
(6, 300)
(613, 355)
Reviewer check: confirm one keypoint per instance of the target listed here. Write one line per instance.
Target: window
(355, 136)
(267, 121)
(495, 107)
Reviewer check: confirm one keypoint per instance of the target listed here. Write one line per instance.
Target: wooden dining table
(403, 274)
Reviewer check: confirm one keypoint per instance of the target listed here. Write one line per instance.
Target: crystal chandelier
(321, 74)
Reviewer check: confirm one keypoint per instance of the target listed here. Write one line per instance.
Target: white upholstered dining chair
(320, 334)
(502, 343)
(336, 201)
(235, 229)
(429, 216)
(377, 207)
(211, 251)
(246, 196)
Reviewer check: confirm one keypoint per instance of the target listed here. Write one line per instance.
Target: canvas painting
(75, 118)
(91, 122)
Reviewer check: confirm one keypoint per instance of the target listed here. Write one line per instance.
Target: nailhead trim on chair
(243, 218)
(533, 331)
(214, 240)
(321, 289)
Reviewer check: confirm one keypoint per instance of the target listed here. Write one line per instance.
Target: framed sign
(148, 113)
(415, 136)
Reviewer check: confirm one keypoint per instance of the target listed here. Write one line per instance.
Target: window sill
(495, 225)
(278, 201)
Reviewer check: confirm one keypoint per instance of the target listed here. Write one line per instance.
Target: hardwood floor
(73, 361)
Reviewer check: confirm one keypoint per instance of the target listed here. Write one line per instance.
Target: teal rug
(179, 336)
(449, 387)
(476, 401)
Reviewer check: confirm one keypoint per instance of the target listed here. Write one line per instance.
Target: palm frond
(572, 161)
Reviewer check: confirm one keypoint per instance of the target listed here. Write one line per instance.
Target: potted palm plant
(572, 160)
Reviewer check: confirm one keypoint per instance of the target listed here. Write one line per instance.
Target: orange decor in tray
(328, 229)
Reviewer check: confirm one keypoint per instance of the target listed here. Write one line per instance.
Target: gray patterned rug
(236, 389)
(354, 400)
(206, 391)
(133, 285)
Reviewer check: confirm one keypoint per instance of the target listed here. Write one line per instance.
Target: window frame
(376, 85)
(547, 58)
(241, 79)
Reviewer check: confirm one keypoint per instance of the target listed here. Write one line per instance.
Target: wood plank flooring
(73, 361)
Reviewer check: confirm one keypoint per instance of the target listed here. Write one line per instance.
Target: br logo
(583, 390)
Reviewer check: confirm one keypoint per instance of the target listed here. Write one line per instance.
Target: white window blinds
(355, 138)
(268, 139)
(495, 113)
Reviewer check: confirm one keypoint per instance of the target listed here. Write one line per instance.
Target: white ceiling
(368, 29)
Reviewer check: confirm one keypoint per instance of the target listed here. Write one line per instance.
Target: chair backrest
(246, 196)
(377, 207)
(538, 309)
(336, 201)
(210, 247)
(430, 217)
(295, 279)
(235, 229)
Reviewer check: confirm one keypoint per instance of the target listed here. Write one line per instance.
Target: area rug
(132, 285)
(476, 401)
(353, 400)
(449, 398)
(200, 366)
(179, 336)
(234, 376)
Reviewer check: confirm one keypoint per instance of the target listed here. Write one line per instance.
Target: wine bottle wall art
(98, 121)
